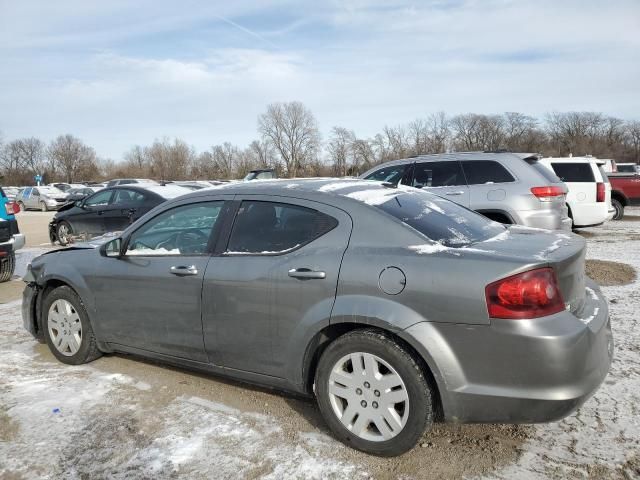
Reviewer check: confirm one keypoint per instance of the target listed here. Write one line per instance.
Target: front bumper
(520, 371)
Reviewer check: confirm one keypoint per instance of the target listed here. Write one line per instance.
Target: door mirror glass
(112, 248)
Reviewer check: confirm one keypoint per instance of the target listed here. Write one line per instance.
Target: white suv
(589, 197)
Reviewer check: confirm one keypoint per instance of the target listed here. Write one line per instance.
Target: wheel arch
(497, 215)
(621, 197)
(332, 332)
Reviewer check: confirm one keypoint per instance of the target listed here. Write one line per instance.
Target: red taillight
(600, 192)
(12, 208)
(546, 194)
(530, 294)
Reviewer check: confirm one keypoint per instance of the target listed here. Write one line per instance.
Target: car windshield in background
(574, 172)
(438, 219)
(49, 191)
(626, 168)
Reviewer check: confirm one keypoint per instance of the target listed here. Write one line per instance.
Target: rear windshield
(626, 168)
(574, 172)
(438, 219)
(545, 172)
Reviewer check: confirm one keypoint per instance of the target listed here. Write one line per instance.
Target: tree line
(289, 140)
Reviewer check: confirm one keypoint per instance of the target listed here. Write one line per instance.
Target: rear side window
(99, 199)
(438, 174)
(574, 172)
(271, 228)
(479, 172)
(388, 174)
(127, 197)
(440, 220)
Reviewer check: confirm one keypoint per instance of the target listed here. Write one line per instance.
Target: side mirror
(112, 248)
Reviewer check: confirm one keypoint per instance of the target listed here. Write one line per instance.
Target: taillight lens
(530, 294)
(600, 192)
(12, 208)
(546, 194)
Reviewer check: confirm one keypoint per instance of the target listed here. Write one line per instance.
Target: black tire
(619, 208)
(7, 266)
(62, 239)
(88, 350)
(420, 393)
(43, 207)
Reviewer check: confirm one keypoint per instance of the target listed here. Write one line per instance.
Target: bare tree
(137, 162)
(224, 157)
(70, 157)
(363, 155)
(339, 148)
(478, 132)
(293, 131)
(263, 150)
(632, 139)
(170, 161)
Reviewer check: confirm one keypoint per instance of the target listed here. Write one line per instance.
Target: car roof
(597, 161)
(168, 191)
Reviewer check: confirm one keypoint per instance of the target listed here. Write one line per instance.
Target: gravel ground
(124, 418)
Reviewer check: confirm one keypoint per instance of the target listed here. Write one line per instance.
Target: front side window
(438, 174)
(272, 228)
(479, 172)
(99, 199)
(184, 230)
(438, 219)
(574, 172)
(391, 174)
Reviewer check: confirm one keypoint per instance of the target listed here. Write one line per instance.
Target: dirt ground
(121, 417)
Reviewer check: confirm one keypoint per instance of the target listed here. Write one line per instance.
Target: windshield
(436, 218)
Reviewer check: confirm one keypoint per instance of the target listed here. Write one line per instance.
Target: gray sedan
(394, 307)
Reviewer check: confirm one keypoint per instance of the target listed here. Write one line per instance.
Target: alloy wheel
(368, 396)
(65, 327)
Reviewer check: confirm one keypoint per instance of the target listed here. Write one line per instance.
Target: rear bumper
(589, 214)
(547, 219)
(520, 371)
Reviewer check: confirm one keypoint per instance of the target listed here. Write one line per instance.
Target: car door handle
(183, 270)
(457, 192)
(305, 273)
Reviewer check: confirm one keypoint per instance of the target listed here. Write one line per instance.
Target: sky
(117, 73)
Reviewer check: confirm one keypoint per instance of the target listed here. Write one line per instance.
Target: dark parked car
(393, 306)
(108, 210)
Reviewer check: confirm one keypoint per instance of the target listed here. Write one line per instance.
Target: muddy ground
(121, 417)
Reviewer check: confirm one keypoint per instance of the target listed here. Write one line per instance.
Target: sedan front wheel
(67, 329)
(373, 394)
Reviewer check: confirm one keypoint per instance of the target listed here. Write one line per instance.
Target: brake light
(600, 192)
(530, 294)
(546, 194)
(12, 208)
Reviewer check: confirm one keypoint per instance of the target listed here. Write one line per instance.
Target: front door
(279, 273)
(89, 219)
(122, 209)
(150, 299)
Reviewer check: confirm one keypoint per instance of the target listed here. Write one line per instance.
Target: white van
(589, 197)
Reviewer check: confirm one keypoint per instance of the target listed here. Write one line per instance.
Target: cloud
(118, 73)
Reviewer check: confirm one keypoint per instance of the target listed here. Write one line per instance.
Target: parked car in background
(75, 194)
(108, 210)
(392, 306)
(10, 237)
(261, 174)
(505, 187)
(627, 168)
(130, 181)
(193, 184)
(625, 191)
(589, 197)
(11, 193)
(42, 198)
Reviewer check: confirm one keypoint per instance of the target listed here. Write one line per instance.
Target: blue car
(10, 237)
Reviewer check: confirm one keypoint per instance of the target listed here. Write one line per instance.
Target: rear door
(124, 207)
(444, 178)
(277, 275)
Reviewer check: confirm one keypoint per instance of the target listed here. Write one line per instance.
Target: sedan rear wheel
(43, 207)
(373, 393)
(67, 329)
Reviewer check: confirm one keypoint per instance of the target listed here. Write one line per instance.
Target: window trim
(213, 236)
(462, 162)
(286, 200)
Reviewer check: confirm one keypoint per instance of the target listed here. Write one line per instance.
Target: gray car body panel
(513, 199)
(485, 369)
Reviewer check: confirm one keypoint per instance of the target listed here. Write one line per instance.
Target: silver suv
(506, 187)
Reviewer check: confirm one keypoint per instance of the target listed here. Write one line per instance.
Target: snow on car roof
(165, 191)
